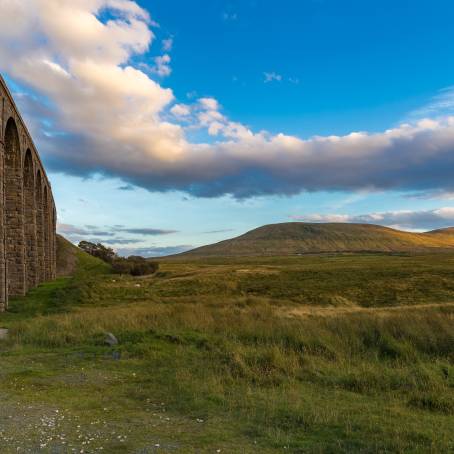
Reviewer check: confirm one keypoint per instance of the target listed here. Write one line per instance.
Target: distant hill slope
(303, 238)
(447, 231)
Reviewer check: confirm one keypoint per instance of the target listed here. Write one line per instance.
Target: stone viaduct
(27, 209)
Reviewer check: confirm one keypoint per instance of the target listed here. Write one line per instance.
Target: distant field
(313, 354)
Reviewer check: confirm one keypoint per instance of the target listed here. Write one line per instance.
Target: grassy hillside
(302, 238)
(313, 354)
(66, 257)
(448, 231)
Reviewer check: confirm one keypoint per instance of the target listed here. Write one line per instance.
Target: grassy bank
(211, 356)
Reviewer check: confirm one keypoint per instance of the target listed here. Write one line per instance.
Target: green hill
(294, 238)
(70, 257)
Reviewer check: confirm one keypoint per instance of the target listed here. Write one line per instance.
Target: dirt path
(333, 311)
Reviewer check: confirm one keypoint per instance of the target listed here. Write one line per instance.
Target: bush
(134, 265)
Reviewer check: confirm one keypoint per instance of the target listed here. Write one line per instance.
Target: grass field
(322, 354)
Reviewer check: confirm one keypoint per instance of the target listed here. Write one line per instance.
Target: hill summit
(293, 238)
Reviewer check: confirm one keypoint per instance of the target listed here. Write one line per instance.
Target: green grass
(211, 357)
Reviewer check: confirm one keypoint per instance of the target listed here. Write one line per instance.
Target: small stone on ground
(110, 339)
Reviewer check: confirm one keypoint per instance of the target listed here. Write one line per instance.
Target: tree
(133, 265)
(98, 250)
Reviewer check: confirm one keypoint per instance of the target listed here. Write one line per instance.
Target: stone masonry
(27, 209)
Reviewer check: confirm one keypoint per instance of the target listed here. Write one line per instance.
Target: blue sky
(171, 124)
(361, 65)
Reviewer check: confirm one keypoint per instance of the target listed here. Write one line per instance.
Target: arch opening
(14, 213)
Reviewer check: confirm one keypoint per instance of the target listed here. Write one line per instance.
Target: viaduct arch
(27, 208)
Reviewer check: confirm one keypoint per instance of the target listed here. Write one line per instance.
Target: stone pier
(27, 209)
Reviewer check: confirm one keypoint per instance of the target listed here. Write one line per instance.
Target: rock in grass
(110, 339)
(3, 333)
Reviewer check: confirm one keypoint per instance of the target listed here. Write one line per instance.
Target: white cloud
(181, 110)
(273, 76)
(230, 16)
(418, 220)
(432, 195)
(109, 116)
(209, 103)
(162, 65)
(440, 105)
(167, 44)
(216, 123)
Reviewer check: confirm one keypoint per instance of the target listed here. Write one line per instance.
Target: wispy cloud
(154, 251)
(167, 44)
(442, 104)
(110, 235)
(126, 187)
(276, 77)
(230, 16)
(272, 76)
(121, 241)
(160, 68)
(431, 195)
(69, 229)
(146, 231)
(418, 220)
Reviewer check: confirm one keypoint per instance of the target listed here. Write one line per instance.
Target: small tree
(98, 250)
(133, 265)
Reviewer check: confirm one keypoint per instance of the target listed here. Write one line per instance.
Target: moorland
(323, 353)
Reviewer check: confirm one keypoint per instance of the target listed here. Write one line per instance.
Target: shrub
(134, 265)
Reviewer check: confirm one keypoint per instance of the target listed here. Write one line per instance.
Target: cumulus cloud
(180, 110)
(103, 114)
(404, 219)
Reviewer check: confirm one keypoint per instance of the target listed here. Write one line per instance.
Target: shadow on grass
(59, 295)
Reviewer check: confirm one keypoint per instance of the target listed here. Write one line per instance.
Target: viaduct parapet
(27, 209)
